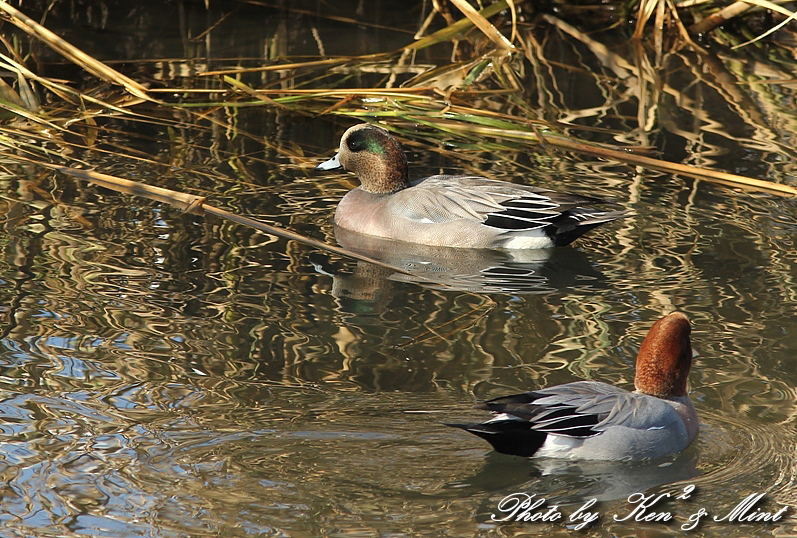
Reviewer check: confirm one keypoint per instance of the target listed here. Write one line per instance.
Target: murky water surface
(170, 375)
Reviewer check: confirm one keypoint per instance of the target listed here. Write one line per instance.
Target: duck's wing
(577, 411)
(504, 206)
(523, 421)
(581, 409)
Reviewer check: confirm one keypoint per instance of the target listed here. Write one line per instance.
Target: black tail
(571, 225)
(514, 437)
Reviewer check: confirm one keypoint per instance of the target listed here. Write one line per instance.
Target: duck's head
(375, 157)
(665, 357)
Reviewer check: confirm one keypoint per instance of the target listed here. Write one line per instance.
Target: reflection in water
(570, 482)
(458, 269)
(267, 407)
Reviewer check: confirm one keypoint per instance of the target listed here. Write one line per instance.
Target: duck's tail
(514, 437)
(577, 221)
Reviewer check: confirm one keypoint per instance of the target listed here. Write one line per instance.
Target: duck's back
(472, 212)
(588, 420)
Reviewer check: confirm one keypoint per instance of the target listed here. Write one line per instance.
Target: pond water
(164, 374)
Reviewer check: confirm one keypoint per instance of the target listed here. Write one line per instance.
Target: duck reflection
(568, 482)
(535, 271)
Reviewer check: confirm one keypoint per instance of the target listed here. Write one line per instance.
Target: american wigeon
(595, 421)
(452, 211)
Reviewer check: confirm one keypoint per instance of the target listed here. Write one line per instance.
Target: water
(164, 374)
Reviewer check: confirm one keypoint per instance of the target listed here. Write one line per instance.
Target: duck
(591, 420)
(463, 211)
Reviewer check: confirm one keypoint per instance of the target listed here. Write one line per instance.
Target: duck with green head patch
(451, 211)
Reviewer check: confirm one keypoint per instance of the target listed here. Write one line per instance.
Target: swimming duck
(596, 421)
(452, 211)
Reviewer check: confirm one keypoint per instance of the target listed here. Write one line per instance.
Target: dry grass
(446, 99)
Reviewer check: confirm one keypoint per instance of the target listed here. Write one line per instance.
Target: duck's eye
(355, 143)
(360, 141)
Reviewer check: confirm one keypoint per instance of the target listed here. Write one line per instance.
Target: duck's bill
(331, 164)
